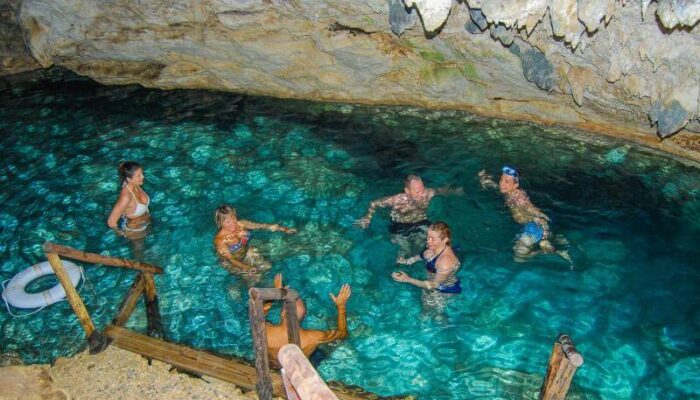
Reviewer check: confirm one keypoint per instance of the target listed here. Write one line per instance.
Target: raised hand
(278, 281)
(400, 276)
(486, 180)
(343, 295)
(363, 222)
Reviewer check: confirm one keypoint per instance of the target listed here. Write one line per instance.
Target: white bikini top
(141, 209)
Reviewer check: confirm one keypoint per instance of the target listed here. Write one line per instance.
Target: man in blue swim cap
(535, 222)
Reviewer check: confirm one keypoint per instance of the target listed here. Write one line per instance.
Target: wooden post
(257, 327)
(290, 307)
(154, 321)
(127, 306)
(96, 341)
(563, 362)
(305, 382)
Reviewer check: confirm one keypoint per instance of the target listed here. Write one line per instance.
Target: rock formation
(14, 55)
(626, 67)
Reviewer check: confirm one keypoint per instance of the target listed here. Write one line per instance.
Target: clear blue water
(631, 217)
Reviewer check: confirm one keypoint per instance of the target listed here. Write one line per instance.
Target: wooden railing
(143, 282)
(257, 297)
(300, 379)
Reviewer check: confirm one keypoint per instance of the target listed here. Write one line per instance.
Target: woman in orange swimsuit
(231, 243)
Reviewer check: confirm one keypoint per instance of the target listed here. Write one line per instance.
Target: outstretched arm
(486, 180)
(441, 275)
(269, 227)
(407, 261)
(447, 191)
(379, 203)
(318, 337)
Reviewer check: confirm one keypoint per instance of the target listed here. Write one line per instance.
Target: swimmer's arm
(403, 277)
(446, 191)
(318, 337)
(270, 227)
(442, 272)
(118, 210)
(379, 203)
(408, 261)
(221, 248)
(486, 180)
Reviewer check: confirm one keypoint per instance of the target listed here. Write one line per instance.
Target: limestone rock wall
(612, 66)
(14, 56)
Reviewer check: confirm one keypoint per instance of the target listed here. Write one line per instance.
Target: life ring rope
(9, 309)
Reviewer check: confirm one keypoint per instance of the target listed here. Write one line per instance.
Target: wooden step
(189, 359)
(204, 363)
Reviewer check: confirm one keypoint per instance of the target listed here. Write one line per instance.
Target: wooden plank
(189, 359)
(71, 294)
(150, 286)
(201, 362)
(304, 379)
(130, 301)
(267, 294)
(93, 258)
(292, 322)
(155, 326)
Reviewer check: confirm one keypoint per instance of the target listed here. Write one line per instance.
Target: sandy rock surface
(112, 374)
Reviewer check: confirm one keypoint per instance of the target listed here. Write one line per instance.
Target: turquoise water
(631, 218)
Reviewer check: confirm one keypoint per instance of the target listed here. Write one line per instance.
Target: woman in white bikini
(130, 216)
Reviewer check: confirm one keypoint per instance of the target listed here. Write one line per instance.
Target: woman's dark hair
(127, 169)
(443, 229)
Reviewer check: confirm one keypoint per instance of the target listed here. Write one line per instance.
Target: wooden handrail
(259, 331)
(267, 294)
(93, 258)
(301, 381)
(129, 302)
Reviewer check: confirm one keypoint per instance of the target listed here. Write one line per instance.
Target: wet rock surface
(622, 68)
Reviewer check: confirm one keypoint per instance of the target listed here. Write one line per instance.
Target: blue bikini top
(430, 264)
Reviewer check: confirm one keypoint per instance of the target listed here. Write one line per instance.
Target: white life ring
(15, 292)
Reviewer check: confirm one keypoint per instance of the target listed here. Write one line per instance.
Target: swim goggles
(510, 171)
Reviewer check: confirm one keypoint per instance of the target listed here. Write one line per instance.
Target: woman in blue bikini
(130, 216)
(441, 265)
(232, 242)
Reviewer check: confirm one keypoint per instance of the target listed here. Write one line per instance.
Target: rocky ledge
(627, 68)
(112, 374)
